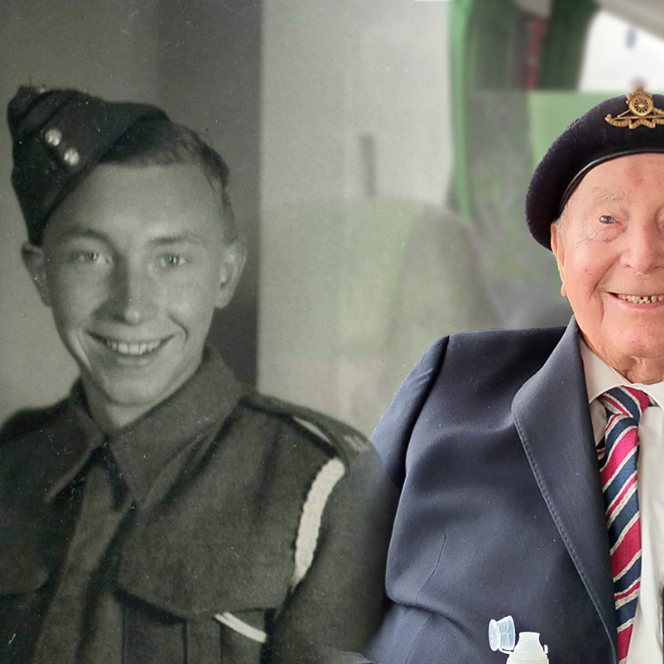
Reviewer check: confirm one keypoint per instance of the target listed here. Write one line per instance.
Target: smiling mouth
(131, 349)
(640, 299)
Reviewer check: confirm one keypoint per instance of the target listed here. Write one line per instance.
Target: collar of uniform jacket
(152, 452)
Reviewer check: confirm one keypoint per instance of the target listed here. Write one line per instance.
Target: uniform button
(53, 137)
(71, 157)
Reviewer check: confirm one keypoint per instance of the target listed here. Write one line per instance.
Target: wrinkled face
(610, 253)
(133, 264)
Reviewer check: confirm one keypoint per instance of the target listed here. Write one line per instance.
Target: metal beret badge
(641, 111)
(59, 136)
(607, 131)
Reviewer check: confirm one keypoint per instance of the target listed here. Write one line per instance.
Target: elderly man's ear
(35, 264)
(557, 247)
(230, 271)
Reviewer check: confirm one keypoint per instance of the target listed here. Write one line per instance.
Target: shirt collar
(154, 449)
(601, 377)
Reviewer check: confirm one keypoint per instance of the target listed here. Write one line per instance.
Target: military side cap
(616, 127)
(59, 136)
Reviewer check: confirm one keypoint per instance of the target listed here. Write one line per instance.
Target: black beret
(59, 137)
(614, 128)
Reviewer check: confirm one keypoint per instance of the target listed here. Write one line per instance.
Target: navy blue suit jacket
(490, 443)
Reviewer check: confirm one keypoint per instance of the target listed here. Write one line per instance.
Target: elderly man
(162, 512)
(516, 452)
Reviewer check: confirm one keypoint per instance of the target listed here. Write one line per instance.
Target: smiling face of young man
(133, 264)
(610, 253)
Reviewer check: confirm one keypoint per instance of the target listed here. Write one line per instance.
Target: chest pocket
(26, 587)
(187, 608)
(156, 637)
(182, 614)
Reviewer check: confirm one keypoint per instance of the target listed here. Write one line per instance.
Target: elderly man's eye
(607, 219)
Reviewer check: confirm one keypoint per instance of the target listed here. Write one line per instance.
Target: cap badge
(71, 157)
(641, 111)
(53, 137)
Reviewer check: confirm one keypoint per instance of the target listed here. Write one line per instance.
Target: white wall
(620, 56)
(335, 72)
(355, 114)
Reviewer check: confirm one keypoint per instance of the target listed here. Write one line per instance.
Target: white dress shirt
(646, 643)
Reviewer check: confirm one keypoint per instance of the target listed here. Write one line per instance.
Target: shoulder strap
(342, 438)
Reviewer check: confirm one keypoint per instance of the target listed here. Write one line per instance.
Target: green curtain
(493, 158)
(564, 42)
(481, 33)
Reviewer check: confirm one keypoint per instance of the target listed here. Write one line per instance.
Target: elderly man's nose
(644, 249)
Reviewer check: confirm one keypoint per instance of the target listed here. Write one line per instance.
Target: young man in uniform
(162, 512)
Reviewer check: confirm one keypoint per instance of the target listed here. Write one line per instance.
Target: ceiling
(645, 14)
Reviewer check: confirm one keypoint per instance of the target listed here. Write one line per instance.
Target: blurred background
(380, 153)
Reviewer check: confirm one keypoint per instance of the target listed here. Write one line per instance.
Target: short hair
(159, 142)
(560, 221)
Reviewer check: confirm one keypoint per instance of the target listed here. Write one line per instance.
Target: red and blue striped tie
(618, 454)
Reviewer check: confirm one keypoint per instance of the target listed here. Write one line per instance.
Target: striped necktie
(617, 456)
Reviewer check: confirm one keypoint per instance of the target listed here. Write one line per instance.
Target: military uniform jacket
(243, 537)
(501, 512)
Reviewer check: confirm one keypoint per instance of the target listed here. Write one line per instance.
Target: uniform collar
(152, 452)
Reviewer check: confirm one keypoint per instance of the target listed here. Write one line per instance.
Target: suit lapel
(553, 421)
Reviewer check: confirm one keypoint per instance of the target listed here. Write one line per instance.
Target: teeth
(648, 299)
(134, 349)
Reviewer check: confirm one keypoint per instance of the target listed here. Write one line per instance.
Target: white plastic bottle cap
(502, 635)
(528, 650)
